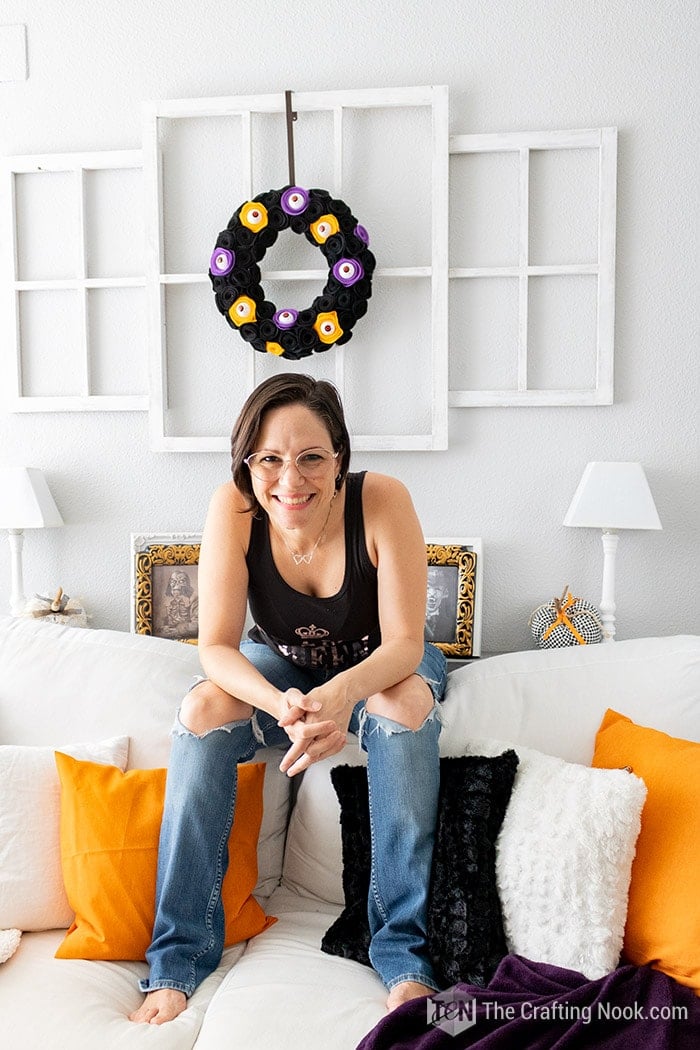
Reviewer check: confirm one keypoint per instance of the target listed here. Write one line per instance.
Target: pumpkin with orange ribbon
(566, 621)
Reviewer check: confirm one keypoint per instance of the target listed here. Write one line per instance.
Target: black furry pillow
(465, 927)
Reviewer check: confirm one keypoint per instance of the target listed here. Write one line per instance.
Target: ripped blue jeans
(403, 773)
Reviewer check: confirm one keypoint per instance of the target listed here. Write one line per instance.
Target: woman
(333, 565)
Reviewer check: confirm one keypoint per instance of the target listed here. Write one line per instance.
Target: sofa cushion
(32, 895)
(110, 825)
(87, 1004)
(285, 993)
(553, 700)
(313, 855)
(465, 928)
(60, 683)
(663, 921)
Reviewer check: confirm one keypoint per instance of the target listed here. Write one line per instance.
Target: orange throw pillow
(110, 825)
(663, 917)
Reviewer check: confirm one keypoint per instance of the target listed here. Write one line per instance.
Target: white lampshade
(613, 496)
(25, 500)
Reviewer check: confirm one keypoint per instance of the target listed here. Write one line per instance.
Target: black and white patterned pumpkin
(566, 621)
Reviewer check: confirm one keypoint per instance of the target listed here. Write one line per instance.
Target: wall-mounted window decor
(532, 268)
(164, 587)
(74, 268)
(453, 610)
(384, 152)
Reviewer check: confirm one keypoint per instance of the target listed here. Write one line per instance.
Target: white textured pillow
(32, 896)
(564, 859)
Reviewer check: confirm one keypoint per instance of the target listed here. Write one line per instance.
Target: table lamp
(25, 503)
(612, 496)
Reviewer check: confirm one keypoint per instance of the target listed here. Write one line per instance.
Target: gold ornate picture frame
(165, 592)
(453, 608)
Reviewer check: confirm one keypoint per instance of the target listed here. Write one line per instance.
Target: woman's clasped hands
(317, 724)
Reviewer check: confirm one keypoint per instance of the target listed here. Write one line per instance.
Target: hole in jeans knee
(388, 726)
(180, 729)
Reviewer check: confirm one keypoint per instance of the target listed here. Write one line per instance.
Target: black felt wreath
(326, 223)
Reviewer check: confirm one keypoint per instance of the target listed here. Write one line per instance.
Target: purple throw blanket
(533, 1006)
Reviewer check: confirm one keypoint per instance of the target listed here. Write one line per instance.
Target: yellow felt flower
(242, 311)
(274, 348)
(327, 327)
(324, 228)
(253, 214)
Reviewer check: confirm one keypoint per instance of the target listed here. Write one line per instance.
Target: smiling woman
(312, 464)
(332, 566)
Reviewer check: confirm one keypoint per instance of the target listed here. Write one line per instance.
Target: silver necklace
(305, 559)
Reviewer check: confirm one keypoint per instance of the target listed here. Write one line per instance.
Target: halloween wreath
(235, 274)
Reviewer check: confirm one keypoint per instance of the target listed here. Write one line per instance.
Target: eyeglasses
(267, 466)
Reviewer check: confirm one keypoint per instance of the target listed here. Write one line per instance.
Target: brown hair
(318, 395)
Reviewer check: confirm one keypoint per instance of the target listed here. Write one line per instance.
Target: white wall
(509, 473)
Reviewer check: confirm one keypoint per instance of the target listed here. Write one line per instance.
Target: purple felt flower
(294, 200)
(285, 318)
(361, 233)
(222, 261)
(348, 271)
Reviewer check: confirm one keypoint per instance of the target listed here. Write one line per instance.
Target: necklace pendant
(303, 559)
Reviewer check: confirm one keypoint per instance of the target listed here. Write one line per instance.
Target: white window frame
(605, 141)
(76, 164)
(242, 107)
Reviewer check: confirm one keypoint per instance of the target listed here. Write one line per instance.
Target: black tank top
(317, 633)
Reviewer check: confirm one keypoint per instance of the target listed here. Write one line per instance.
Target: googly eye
(294, 200)
(222, 262)
(242, 311)
(327, 328)
(285, 318)
(323, 228)
(348, 271)
(253, 215)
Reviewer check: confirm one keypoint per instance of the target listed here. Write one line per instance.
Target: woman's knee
(208, 706)
(408, 702)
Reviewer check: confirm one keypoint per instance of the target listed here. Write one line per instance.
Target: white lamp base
(17, 598)
(607, 600)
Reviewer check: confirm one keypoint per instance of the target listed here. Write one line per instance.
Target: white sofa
(61, 685)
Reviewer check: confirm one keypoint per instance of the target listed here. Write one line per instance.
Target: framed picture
(165, 592)
(453, 608)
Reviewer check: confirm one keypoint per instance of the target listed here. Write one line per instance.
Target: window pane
(484, 209)
(47, 225)
(118, 347)
(51, 344)
(563, 206)
(562, 333)
(483, 333)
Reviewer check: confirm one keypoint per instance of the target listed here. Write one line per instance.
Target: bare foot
(405, 991)
(160, 1006)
